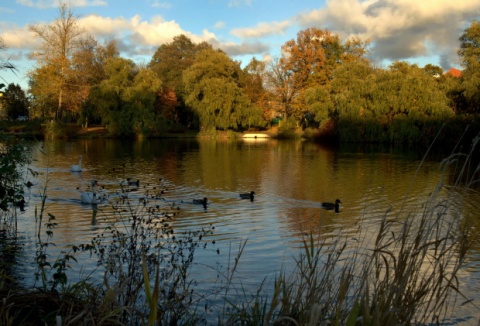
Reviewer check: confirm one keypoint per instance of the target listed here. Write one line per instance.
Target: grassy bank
(401, 132)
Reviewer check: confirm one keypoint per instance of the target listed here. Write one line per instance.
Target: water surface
(290, 178)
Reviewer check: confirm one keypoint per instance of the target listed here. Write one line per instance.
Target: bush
(55, 130)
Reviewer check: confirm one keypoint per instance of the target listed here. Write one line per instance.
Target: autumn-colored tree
(60, 39)
(166, 105)
(309, 61)
(44, 92)
(280, 83)
(252, 82)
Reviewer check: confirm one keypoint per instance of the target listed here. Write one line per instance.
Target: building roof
(454, 72)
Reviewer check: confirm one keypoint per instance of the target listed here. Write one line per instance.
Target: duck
(77, 167)
(133, 183)
(248, 195)
(331, 206)
(203, 202)
(91, 197)
(21, 204)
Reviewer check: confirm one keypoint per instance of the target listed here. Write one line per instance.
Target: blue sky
(417, 31)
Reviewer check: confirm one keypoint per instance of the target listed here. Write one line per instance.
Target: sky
(417, 31)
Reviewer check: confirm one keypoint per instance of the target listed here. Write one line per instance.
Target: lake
(290, 178)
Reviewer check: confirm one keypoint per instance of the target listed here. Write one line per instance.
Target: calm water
(290, 178)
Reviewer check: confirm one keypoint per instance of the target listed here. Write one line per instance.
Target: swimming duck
(77, 167)
(133, 183)
(248, 195)
(330, 206)
(201, 202)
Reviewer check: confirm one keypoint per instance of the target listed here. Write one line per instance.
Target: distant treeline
(320, 83)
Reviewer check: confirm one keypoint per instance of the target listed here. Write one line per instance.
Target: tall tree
(349, 95)
(279, 82)
(141, 96)
(310, 61)
(169, 62)
(110, 98)
(171, 59)
(253, 80)
(470, 53)
(214, 93)
(88, 63)
(59, 39)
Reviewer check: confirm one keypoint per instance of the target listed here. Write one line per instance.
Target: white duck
(77, 167)
(92, 197)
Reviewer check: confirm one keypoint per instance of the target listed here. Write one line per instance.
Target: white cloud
(19, 38)
(154, 33)
(161, 5)
(43, 4)
(137, 36)
(238, 3)
(219, 25)
(6, 10)
(262, 30)
(104, 26)
(399, 29)
(234, 49)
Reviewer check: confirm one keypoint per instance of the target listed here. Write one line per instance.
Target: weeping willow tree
(394, 105)
(214, 94)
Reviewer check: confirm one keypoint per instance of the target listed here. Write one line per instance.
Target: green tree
(60, 39)
(379, 105)
(470, 54)
(109, 99)
(89, 64)
(125, 99)
(169, 62)
(407, 90)
(349, 95)
(171, 59)
(15, 102)
(434, 71)
(214, 93)
(141, 96)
